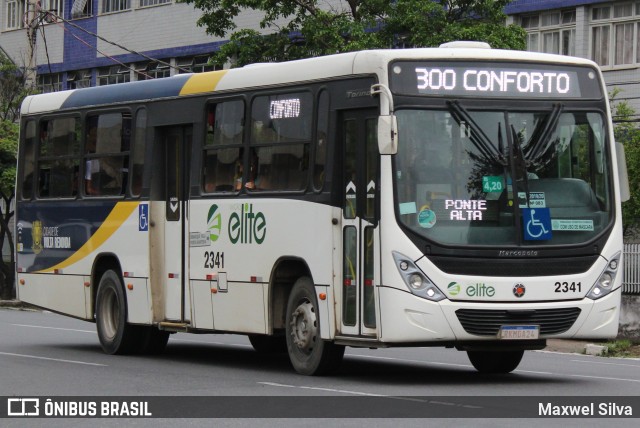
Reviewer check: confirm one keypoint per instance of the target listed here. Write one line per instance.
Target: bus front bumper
(406, 318)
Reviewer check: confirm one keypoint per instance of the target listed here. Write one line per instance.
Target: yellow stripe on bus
(114, 220)
(202, 82)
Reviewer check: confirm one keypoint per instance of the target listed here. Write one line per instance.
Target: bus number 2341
(213, 260)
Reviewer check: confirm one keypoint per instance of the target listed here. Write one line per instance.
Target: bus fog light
(604, 284)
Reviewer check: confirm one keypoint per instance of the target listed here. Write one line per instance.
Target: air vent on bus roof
(466, 44)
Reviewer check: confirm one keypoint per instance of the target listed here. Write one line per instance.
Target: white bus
(457, 196)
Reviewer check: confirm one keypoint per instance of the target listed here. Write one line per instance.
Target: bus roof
(260, 75)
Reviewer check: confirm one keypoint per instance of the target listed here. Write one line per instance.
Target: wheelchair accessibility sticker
(143, 217)
(537, 224)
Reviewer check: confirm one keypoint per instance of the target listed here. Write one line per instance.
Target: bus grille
(483, 322)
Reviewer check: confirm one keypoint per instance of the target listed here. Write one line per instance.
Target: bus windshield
(499, 177)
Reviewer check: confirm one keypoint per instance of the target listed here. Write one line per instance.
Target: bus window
(222, 160)
(320, 158)
(107, 144)
(28, 160)
(137, 163)
(281, 134)
(58, 163)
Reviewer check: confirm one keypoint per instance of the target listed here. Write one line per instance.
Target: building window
(144, 3)
(81, 9)
(50, 82)
(159, 70)
(115, 5)
(153, 70)
(552, 32)
(615, 34)
(54, 6)
(113, 75)
(79, 79)
(198, 64)
(14, 12)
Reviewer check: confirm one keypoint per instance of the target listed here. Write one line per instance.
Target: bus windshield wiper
(542, 134)
(520, 162)
(477, 136)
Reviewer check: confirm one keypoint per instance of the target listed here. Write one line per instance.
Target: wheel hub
(304, 327)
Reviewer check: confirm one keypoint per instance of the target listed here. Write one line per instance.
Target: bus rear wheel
(495, 362)
(116, 336)
(309, 354)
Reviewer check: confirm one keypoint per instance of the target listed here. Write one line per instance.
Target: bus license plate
(519, 332)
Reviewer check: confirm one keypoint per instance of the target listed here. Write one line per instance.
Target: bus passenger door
(360, 246)
(177, 147)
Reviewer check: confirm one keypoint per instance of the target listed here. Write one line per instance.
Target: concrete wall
(630, 317)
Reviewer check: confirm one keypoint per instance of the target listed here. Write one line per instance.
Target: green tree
(12, 92)
(627, 132)
(294, 29)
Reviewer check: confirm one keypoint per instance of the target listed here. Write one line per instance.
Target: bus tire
(263, 344)
(116, 336)
(309, 354)
(495, 362)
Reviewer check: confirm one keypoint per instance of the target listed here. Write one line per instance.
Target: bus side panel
(138, 300)
(65, 294)
(236, 245)
(241, 308)
(201, 304)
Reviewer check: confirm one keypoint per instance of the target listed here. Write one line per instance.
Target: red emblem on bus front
(518, 290)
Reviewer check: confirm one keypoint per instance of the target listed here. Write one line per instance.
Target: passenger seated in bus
(92, 166)
(253, 169)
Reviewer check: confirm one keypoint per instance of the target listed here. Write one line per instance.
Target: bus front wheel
(309, 354)
(495, 362)
(116, 336)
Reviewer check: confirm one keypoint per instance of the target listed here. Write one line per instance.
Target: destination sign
(506, 80)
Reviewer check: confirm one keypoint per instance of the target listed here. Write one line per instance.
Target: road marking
(368, 394)
(54, 328)
(52, 359)
(316, 388)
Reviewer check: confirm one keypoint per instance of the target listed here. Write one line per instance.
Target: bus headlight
(416, 281)
(604, 284)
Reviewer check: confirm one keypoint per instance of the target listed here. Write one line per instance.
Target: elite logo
(245, 226)
(214, 222)
(454, 288)
(474, 290)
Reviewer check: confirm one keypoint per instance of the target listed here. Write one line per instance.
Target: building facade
(608, 32)
(87, 46)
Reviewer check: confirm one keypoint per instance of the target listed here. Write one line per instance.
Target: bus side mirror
(623, 178)
(387, 134)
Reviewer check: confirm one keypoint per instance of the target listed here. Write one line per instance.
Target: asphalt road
(43, 354)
